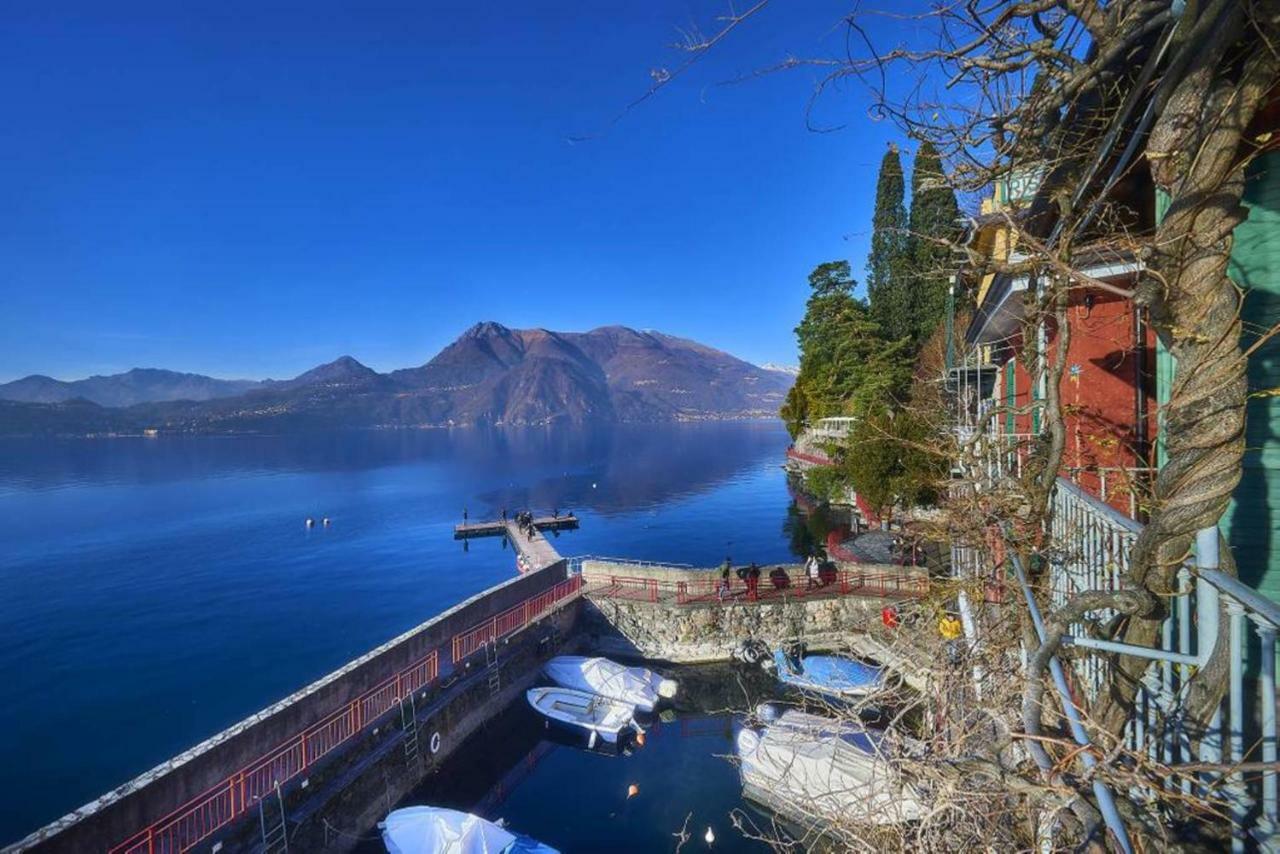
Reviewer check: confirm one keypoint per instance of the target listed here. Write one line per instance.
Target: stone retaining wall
(712, 631)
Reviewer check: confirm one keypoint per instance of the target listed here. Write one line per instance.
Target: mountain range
(490, 375)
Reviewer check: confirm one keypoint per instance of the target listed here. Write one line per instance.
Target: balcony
(1088, 549)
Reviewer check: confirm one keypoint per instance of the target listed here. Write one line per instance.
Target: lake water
(153, 592)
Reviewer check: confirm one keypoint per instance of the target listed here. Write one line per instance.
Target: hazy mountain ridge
(489, 375)
(140, 385)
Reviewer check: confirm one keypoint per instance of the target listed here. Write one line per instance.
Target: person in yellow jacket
(949, 627)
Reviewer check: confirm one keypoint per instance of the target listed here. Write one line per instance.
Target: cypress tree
(934, 225)
(885, 285)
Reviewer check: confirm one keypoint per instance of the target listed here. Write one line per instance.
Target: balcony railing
(1235, 761)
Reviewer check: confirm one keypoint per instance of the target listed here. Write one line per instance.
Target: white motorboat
(637, 686)
(600, 716)
(434, 830)
(815, 769)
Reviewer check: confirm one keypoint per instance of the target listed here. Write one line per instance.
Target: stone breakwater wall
(712, 631)
(454, 704)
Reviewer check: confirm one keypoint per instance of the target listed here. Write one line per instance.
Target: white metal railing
(1127, 483)
(835, 428)
(1089, 549)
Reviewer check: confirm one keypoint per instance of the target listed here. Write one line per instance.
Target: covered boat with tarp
(815, 770)
(638, 686)
(435, 830)
(833, 675)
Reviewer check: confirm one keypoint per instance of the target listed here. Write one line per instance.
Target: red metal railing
(775, 584)
(202, 816)
(640, 589)
(230, 799)
(812, 459)
(468, 642)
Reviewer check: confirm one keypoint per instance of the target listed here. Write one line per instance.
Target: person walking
(723, 591)
(813, 571)
(753, 581)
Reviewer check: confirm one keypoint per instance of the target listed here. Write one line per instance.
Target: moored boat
(599, 716)
(813, 769)
(833, 675)
(435, 830)
(637, 686)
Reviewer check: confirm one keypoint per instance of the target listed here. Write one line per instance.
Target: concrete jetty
(497, 527)
(532, 544)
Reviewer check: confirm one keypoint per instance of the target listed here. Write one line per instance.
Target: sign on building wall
(1023, 183)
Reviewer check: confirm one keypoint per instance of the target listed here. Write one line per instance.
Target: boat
(637, 686)
(601, 717)
(435, 830)
(833, 675)
(818, 771)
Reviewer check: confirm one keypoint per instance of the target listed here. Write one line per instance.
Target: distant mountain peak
(486, 329)
(490, 374)
(344, 369)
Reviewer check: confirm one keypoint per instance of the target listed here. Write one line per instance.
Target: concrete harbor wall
(119, 814)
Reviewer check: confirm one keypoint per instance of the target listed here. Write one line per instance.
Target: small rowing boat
(599, 716)
(636, 686)
(833, 675)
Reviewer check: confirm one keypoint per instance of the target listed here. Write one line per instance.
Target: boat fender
(591, 742)
(435, 742)
(632, 791)
(667, 688)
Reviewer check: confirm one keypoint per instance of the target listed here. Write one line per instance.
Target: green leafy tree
(934, 227)
(845, 365)
(891, 459)
(887, 285)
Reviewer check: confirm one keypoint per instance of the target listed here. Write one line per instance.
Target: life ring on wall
(435, 742)
(889, 616)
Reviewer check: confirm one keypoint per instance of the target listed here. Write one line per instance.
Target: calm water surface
(155, 591)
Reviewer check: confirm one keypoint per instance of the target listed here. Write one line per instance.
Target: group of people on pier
(818, 573)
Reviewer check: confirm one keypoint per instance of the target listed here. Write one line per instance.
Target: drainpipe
(1140, 377)
(1106, 802)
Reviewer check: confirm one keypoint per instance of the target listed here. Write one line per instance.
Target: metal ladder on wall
(409, 723)
(491, 664)
(275, 832)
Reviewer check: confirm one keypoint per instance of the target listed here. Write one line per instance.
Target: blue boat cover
(831, 674)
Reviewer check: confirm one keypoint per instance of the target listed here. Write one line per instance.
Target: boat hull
(588, 713)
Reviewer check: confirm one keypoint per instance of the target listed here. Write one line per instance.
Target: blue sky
(249, 189)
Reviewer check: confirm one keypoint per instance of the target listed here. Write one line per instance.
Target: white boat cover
(819, 768)
(636, 686)
(433, 830)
